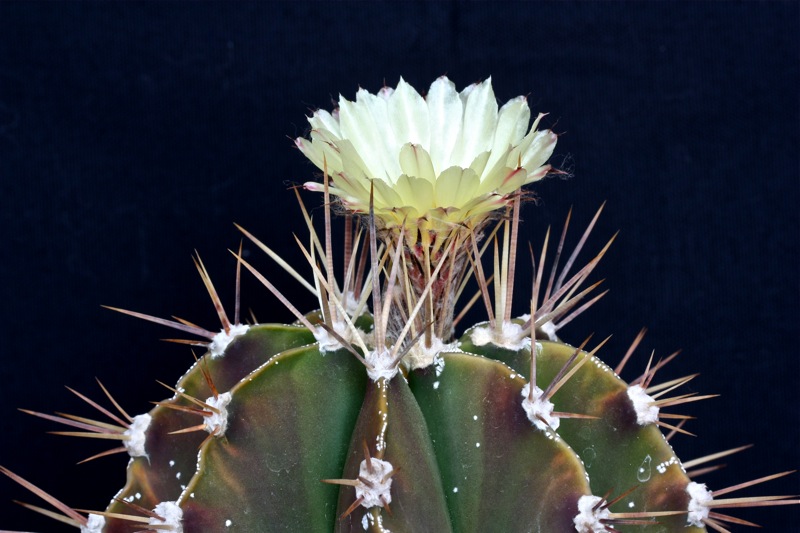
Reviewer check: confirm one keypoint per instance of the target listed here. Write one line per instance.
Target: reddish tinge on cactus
(370, 414)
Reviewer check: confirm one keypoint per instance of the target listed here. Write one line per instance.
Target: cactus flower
(435, 162)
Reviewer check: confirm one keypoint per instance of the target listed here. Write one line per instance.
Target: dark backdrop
(133, 133)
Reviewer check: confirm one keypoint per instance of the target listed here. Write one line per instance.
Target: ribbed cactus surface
(465, 456)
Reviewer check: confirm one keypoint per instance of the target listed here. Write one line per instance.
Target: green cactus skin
(468, 458)
(177, 454)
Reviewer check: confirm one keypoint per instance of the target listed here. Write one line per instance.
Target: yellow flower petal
(415, 161)
(455, 187)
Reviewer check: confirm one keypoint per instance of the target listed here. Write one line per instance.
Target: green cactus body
(466, 455)
(374, 418)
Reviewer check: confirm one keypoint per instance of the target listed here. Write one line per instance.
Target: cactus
(370, 413)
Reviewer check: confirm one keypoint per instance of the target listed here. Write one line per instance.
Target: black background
(133, 133)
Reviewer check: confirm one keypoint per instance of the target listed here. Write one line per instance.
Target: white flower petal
(514, 157)
(354, 188)
(422, 194)
(358, 127)
(445, 112)
(345, 195)
(312, 151)
(480, 120)
(532, 153)
(483, 204)
(415, 161)
(466, 91)
(512, 124)
(352, 165)
(539, 150)
(320, 153)
(492, 181)
(537, 174)
(512, 181)
(385, 194)
(327, 145)
(321, 119)
(494, 175)
(478, 164)
(383, 138)
(408, 115)
(405, 189)
(386, 92)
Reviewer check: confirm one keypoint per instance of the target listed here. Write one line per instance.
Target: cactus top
(448, 158)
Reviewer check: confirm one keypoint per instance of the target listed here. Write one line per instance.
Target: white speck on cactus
(589, 520)
(370, 520)
(700, 497)
(136, 436)
(94, 524)
(222, 339)
(438, 365)
(661, 468)
(382, 363)
(380, 441)
(217, 423)
(172, 516)
(646, 412)
(228, 523)
(510, 336)
(377, 492)
(539, 409)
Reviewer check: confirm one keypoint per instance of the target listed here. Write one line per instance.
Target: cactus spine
(369, 414)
